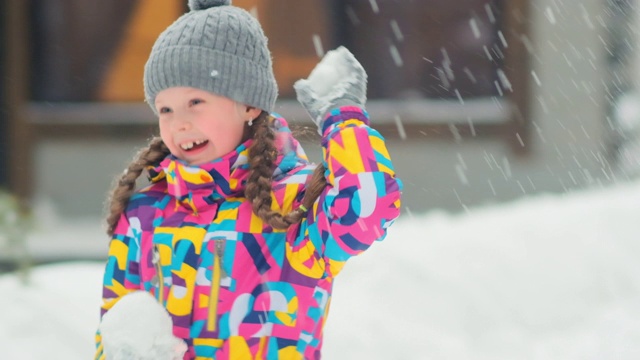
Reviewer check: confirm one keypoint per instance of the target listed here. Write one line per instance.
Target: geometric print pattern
(234, 287)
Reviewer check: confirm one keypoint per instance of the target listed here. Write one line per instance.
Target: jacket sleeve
(361, 200)
(121, 274)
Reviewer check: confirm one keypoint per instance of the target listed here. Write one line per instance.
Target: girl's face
(198, 126)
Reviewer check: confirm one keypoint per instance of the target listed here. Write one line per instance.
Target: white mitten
(337, 80)
(139, 328)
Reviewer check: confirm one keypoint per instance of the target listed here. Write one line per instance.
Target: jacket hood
(196, 186)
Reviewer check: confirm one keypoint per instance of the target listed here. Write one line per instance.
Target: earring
(250, 122)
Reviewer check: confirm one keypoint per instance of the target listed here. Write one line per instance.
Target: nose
(181, 123)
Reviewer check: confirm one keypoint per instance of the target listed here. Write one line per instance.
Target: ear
(252, 112)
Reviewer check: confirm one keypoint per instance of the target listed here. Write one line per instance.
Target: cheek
(164, 131)
(164, 135)
(229, 138)
(225, 131)
(240, 134)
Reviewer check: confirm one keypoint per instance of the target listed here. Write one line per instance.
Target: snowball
(139, 328)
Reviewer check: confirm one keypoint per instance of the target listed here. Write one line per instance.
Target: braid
(315, 186)
(262, 157)
(125, 186)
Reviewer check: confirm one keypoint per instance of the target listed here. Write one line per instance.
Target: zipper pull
(217, 273)
(158, 279)
(220, 245)
(155, 258)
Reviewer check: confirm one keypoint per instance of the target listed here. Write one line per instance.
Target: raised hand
(337, 80)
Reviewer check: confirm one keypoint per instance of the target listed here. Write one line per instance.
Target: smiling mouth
(194, 145)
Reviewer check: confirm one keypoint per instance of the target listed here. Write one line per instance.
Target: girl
(238, 236)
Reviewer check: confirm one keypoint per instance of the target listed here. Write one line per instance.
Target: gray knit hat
(214, 47)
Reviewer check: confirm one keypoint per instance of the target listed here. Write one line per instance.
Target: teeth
(190, 145)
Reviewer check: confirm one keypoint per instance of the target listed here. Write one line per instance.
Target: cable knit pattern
(234, 287)
(220, 49)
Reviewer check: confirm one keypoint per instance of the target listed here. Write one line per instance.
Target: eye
(195, 102)
(164, 110)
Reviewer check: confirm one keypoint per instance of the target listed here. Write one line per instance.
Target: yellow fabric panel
(379, 145)
(336, 266)
(119, 250)
(182, 306)
(208, 342)
(344, 153)
(289, 353)
(290, 193)
(238, 348)
(227, 214)
(190, 233)
(256, 223)
(298, 258)
(203, 300)
(385, 169)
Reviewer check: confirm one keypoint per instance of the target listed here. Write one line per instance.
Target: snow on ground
(548, 277)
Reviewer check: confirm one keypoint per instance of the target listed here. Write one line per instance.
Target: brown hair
(125, 186)
(262, 157)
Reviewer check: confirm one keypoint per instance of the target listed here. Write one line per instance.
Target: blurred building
(480, 101)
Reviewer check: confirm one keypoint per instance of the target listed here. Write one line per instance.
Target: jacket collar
(196, 186)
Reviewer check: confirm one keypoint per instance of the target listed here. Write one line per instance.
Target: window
(439, 49)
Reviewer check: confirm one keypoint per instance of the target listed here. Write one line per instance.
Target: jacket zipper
(217, 274)
(156, 262)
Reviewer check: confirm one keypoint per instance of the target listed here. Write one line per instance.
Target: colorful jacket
(234, 287)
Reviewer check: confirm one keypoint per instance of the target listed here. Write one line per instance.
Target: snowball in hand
(332, 68)
(337, 80)
(139, 328)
